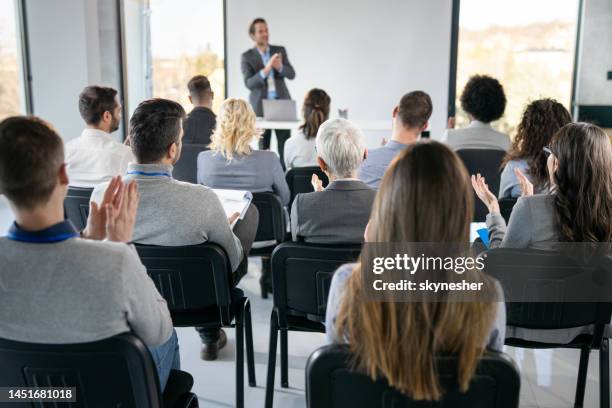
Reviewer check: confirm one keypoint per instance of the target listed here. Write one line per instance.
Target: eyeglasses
(548, 151)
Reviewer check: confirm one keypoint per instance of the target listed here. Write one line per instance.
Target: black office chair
(196, 283)
(525, 271)
(331, 383)
(487, 162)
(76, 206)
(115, 372)
(272, 226)
(186, 168)
(298, 179)
(301, 275)
(505, 207)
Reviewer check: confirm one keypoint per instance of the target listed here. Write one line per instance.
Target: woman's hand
(316, 182)
(486, 196)
(526, 185)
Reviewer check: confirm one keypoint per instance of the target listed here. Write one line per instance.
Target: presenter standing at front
(265, 68)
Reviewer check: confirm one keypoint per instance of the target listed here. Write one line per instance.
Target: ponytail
(315, 111)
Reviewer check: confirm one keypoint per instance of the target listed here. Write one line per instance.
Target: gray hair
(340, 144)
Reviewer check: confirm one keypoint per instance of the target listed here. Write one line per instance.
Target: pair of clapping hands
(489, 199)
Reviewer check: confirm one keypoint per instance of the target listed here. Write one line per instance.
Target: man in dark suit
(264, 68)
(200, 123)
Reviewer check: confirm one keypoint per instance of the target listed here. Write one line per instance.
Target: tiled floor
(548, 377)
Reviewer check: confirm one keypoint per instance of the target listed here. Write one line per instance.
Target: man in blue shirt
(410, 118)
(264, 68)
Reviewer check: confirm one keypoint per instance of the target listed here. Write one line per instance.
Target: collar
(88, 132)
(55, 233)
(478, 124)
(266, 52)
(395, 145)
(347, 184)
(156, 170)
(201, 109)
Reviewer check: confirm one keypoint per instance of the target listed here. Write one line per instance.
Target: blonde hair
(400, 340)
(235, 128)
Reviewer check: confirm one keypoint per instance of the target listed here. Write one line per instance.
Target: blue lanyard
(144, 173)
(15, 236)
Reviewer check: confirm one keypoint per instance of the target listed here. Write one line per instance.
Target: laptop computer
(280, 110)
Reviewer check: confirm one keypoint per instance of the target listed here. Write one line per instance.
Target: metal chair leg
(582, 375)
(248, 328)
(284, 354)
(239, 358)
(271, 359)
(604, 374)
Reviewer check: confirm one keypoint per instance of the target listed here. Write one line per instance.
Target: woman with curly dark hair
(579, 207)
(541, 119)
(484, 100)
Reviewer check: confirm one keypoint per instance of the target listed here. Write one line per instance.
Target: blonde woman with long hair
(232, 163)
(425, 196)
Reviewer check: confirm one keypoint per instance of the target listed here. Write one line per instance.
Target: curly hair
(235, 129)
(315, 111)
(541, 120)
(483, 98)
(583, 183)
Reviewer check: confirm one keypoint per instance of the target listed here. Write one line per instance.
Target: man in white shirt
(95, 156)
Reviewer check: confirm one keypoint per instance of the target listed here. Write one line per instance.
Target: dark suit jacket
(199, 126)
(251, 63)
(338, 214)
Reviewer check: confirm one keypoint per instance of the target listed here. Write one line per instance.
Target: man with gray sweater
(59, 286)
(175, 213)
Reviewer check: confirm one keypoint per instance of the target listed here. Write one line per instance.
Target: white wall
(366, 54)
(595, 58)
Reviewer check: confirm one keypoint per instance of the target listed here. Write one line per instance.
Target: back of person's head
(155, 125)
(400, 340)
(340, 145)
(541, 119)
(483, 98)
(582, 179)
(199, 89)
(31, 155)
(414, 110)
(235, 128)
(315, 111)
(94, 101)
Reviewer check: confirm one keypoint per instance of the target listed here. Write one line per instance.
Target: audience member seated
(526, 159)
(56, 286)
(410, 118)
(300, 148)
(175, 213)
(399, 340)
(484, 100)
(200, 123)
(95, 156)
(340, 212)
(232, 163)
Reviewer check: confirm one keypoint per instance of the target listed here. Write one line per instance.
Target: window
(11, 82)
(527, 45)
(187, 38)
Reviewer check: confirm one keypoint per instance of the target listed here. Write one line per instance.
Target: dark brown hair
(199, 88)
(583, 183)
(254, 23)
(315, 111)
(31, 154)
(94, 101)
(483, 97)
(400, 340)
(540, 121)
(154, 126)
(415, 109)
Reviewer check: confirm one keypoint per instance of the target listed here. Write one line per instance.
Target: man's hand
(96, 222)
(120, 218)
(316, 182)
(486, 196)
(277, 61)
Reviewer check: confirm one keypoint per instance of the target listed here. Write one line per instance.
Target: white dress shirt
(299, 151)
(95, 157)
(477, 135)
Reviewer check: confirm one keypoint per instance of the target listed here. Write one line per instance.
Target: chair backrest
(487, 162)
(76, 206)
(272, 225)
(331, 383)
(505, 206)
(301, 277)
(186, 168)
(298, 179)
(535, 273)
(191, 279)
(115, 372)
